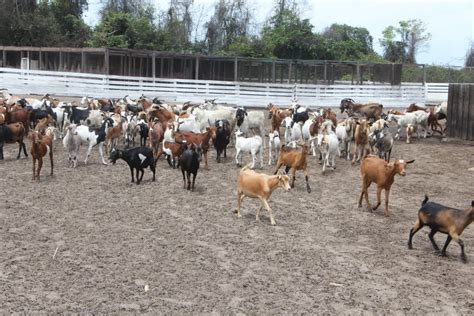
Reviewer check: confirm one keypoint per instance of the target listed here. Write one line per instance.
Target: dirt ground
(87, 240)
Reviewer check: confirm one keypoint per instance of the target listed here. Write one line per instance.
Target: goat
(13, 133)
(360, 140)
(443, 219)
(189, 162)
(328, 145)
(274, 145)
(94, 137)
(252, 145)
(201, 139)
(137, 158)
(41, 145)
(294, 159)
(173, 150)
(143, 130)
(374, 169)
(345, 132)
(222, 138)
(369, 110)
(72, 142)
(383, 142)
(260, 186)
(246, 120)
(277, 116)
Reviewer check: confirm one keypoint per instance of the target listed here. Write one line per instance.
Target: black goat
(143, 129)
(240, 115)
(222, 138)
(189, 162)
(137, 158)
(443, 219)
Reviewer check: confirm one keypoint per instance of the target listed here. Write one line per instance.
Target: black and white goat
(137, 158)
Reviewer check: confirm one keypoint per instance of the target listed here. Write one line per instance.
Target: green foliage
(347, 42)
(288, 36)
(412, 36)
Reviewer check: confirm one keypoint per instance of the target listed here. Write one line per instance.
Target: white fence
(242, 93)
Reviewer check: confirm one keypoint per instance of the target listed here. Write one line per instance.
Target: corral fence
(23, 81)
(460, 121)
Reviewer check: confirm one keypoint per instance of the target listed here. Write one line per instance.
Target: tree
(288, 36)
(230, 22)
(412, 36)
(347, 42)
(470, 56)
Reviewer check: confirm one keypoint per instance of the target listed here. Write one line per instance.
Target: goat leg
(433, 242)
(443, 252)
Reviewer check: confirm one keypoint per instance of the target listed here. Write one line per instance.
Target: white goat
(72, 143)
(274, 145)
(344, 135)
(292, 133)
(203, 117)
(329, 146)
(93, 138)
(188, 124)
(253, 120)
(252, 145)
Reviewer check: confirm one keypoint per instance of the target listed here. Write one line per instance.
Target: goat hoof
(464, 259)
(410, 246)
(442, 254)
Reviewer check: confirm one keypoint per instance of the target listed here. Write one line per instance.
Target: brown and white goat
(443, 219)
(374, 169)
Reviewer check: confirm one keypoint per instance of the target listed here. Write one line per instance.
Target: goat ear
(410, 161)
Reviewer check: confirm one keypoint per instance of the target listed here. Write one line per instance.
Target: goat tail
(247, 166)
(425, 200)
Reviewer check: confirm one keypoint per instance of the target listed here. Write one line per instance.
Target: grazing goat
(374, 169)
(137, 158)
(443, 219)
(189, 162)
(294, 159)
(72, 143)
(222, 138)
(259, 186)
(41, 145)
(383, 142)
(361, 140)
(252, 145)
(274, 145)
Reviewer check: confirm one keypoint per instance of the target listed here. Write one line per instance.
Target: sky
(450, 22)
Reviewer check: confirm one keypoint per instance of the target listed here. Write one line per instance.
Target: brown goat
(173, 151)
(374, 169)
(443, 219)
(361, 140)
(13, 133)
(369, 110)
(112, 135)
(198, 139)
(294, 159)
(155, 135)
(277, 116)
(41, 145)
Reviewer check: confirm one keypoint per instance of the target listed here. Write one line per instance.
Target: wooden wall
(460, 122)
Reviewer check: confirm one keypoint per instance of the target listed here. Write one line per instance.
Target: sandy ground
(87, 240)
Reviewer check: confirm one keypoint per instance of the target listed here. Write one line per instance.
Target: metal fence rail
(242, 93)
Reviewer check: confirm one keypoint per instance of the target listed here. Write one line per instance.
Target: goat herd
(183, 134)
